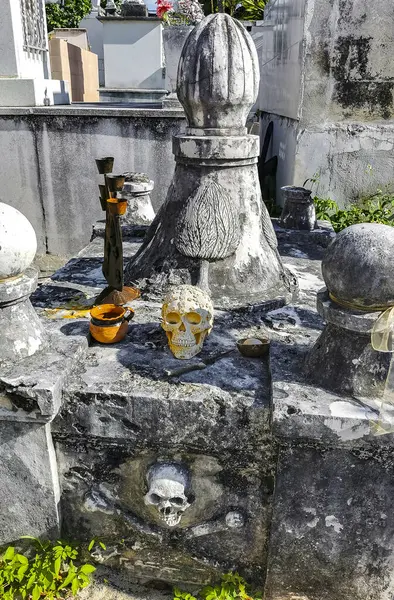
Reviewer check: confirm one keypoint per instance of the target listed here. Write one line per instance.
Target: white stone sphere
(358, 267)
(18, 242)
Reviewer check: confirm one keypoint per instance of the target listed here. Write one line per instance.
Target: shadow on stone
(76, 328)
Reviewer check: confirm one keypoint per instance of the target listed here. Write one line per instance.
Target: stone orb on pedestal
(358, 268)
(18, 242)
(21, 332)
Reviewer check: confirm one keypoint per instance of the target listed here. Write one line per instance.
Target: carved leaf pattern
(208, 226)
(268, 228)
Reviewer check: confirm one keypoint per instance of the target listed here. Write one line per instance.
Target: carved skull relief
(187, 319)
(167, 485)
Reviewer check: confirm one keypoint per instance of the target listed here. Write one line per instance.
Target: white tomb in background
(25, 73)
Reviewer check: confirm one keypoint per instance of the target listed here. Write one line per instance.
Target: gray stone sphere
(358, 266)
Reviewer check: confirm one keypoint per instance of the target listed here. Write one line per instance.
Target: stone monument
(358, 270)
(21, 332)
(214, 230)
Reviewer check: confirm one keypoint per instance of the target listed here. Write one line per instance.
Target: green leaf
(21, 572)
(87, 569)
(70, 577)
(31, 580)
(91, 545)
(104, 547)
(75, 586)
(36, 593)
(57, 565)
(9, 553)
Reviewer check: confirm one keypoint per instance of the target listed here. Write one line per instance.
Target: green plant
(42, 570)
(251, 10)
(312, 180)
(375, 208)
(231, 587)
(69, 15)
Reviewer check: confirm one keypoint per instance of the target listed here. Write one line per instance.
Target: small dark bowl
(105, 165)
(115, 183)
(254, 350)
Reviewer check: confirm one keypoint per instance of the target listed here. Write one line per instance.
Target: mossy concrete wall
(47, 167)
(327, 82)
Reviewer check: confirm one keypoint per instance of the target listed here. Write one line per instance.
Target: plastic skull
(167, 484)
(187, 319)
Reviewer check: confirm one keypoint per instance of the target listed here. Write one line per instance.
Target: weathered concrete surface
(48, 170)
(332, 537)
(29, 487)
(328, 78)
(110, 585)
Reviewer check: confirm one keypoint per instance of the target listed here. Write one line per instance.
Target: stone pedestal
(33, 366)
(358, 270)
(298, 209)
(343, 359)
(21, 332)
(136, 191)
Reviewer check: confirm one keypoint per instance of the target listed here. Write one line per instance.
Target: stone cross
(214, 230)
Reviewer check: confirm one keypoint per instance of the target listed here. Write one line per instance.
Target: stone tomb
(284, 479)
(187, 469)
(130, 406)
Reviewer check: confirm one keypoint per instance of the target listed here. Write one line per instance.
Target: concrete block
(33, 92)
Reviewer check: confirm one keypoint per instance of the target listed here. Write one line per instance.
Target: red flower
(162, 7)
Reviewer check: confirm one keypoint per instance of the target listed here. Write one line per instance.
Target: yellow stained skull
(187, 314)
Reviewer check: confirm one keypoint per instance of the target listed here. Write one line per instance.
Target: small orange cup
(117, 206)
(109, 323)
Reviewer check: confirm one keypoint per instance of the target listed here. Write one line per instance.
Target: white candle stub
(252, 342)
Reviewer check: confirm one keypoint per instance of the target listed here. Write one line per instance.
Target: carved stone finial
(213, 231)
(218, 75)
